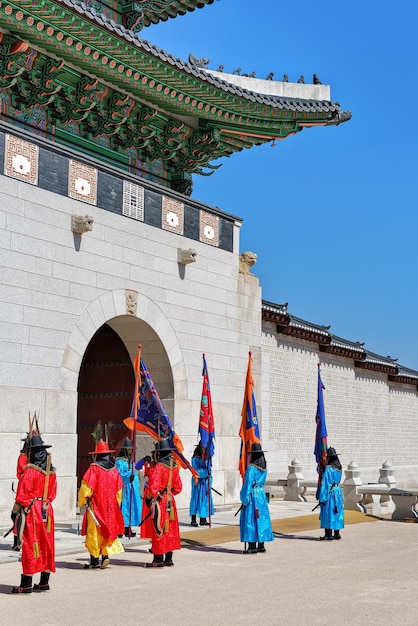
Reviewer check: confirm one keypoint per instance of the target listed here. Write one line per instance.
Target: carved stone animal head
(81, 223)
(185, 256)
(246, 261)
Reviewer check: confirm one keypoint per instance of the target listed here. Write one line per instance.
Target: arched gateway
(106, 381)
(105, 388)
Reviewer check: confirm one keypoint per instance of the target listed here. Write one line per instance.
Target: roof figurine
(285, 78)
(315, 80)
(270, 76)
(118, 96)
(301, 80)
(203, 63)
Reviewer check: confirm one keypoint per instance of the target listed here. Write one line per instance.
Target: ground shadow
(289, 536)
(201, 548)
(116, 562)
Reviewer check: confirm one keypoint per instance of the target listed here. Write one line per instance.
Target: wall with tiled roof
(371, 416)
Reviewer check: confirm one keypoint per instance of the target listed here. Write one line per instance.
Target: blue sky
(332, 212)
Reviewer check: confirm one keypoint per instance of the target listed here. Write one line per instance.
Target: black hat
(36, 442)
(331, 452)
(256, 449)
(163, 447)
(198, 451)
(127, 443)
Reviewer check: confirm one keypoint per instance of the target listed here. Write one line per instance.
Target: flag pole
(250, 374)
(137, 365)
(206, 431)
(249, 429)
(321, 434)
(205, 371)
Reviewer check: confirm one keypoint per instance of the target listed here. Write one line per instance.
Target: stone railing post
(387, 477)
(293, 490)
(352, 482)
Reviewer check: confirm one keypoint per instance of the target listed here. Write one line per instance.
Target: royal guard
(131, 505)
(147, 464)
(163, 484)
(331, 498)
(34, 515)
(101, 493)
(201, 501)
(255, 523)
(22, 461)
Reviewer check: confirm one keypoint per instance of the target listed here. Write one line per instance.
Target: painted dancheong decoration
(118, 98)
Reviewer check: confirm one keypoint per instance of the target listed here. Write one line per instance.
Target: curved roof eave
(89, 27)
(156, 12)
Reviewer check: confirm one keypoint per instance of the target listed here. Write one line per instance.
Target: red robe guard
(36, 491)
(164, 483)
(101, 491)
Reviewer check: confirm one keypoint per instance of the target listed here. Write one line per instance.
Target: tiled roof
(288, 324)
(289, 104)
(378, 363)
(344, 347)
(161, 10)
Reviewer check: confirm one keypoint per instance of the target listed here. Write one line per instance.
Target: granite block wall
(369, 419)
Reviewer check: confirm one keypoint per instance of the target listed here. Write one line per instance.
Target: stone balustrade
(380, 498)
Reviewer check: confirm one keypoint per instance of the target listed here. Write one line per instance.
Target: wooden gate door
(105, 391)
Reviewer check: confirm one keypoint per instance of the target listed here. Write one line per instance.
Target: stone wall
(57, 289)
(369, 419)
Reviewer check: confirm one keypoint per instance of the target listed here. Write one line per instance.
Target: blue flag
(321, 444)
(151, 416)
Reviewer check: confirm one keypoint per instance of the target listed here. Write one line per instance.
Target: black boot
(43, 583)
(328, 535)
(94, 563)
(337, 534)
(193, 522)
(25, 585)
(129, 532)
(157, 561)
(203, 521)
(260, 547)
(168, 561)
(105, 561)
(15, 545)
(252, 548)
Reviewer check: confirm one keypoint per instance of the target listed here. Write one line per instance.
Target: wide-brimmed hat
(163, 447)
(256, 448)
(331, 452)
(127, 444)
(102, 447)
(36, 443)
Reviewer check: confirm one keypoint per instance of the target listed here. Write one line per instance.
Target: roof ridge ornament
(201, 63)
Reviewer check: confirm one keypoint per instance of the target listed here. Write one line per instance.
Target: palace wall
(369, 419)
(58, 287)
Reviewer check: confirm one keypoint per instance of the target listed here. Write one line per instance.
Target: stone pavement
(367, 577)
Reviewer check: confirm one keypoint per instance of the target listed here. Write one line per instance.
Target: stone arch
(111, 308)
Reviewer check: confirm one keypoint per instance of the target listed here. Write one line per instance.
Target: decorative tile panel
(133, 201)
(173, 215)
(209, 228)
(52, 170)
(82, 182)
(21, 159)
